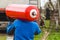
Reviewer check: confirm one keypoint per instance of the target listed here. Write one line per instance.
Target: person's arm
(37, 29)
(10, 27)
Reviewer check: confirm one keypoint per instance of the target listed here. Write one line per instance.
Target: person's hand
(9, 23)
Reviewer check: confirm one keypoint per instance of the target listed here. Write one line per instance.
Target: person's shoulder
(17, 21)
(34, 23)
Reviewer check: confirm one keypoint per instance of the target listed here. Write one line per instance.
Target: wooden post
(59, 9)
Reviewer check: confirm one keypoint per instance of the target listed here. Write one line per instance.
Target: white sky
(44, 1)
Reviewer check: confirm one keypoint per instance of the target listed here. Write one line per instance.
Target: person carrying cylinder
(25, 27)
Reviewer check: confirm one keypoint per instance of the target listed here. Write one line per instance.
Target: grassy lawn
(54, 36)
(2, 37)
(38, 37)
(47, 23)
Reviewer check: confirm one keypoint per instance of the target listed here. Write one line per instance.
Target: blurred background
(49, 21)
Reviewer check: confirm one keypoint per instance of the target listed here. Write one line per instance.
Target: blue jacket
(24, 30)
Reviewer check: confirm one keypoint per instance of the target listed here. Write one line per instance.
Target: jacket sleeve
(10, 27)
(37, 29)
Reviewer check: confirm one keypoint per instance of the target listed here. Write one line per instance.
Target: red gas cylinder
(24, 12)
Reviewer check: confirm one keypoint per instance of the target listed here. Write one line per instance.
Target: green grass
(47, 23)
(2, 37)
(38, 37)
(54, 36)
